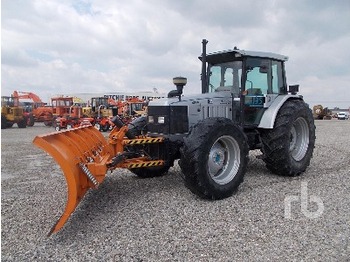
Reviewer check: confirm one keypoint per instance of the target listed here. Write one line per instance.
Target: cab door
(263, 83)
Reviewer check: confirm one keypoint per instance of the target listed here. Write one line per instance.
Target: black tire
(288, 147)
(105, 127)
(148, 172)
(214, 158)
(30, 120)
(54, 122)
(3, 122)
(22, 123)
(48, 123)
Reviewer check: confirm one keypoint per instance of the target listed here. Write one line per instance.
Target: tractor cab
(61, 106)
(255, 79)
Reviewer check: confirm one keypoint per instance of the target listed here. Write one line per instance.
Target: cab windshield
(225, 77)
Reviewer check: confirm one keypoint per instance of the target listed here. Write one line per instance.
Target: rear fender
(268, 119)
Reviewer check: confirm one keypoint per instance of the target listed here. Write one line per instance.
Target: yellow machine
(12, 113)
(101, 111)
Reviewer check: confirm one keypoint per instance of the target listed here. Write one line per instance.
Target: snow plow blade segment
(82, 154)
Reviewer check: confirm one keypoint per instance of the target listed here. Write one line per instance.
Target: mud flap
(83, 154)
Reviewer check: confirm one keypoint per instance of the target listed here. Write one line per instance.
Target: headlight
(150, 119)
(161, 119)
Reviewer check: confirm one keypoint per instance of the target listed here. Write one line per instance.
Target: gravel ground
(132, 219)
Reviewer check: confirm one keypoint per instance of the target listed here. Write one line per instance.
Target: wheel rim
(299, 139)
(224, 160)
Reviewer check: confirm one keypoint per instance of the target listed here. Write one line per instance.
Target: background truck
(245, 105)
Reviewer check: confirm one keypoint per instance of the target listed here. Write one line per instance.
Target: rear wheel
(288, 147)
(214, 158)
(30, 120)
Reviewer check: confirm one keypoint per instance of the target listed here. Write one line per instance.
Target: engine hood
(185, 100)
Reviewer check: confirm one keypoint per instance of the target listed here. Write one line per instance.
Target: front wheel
(22, 123)
(288, 147)
(214, 158)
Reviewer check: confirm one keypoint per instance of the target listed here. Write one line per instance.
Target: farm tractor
(68, 113)
(244, 105)
(101, 111)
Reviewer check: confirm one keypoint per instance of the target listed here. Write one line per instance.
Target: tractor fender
(268, 119)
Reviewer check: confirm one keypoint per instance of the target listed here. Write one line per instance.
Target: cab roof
(231, 54)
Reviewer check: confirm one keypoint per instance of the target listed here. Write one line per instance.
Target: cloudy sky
(64, 46)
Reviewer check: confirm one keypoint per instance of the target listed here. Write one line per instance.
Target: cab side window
(277, 78)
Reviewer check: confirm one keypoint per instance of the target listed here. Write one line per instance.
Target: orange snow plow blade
(83, 154)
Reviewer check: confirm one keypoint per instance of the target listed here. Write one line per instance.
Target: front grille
(17, 112)
(175, 119)
(178, 120)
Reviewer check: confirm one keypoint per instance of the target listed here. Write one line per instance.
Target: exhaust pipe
(204, 76)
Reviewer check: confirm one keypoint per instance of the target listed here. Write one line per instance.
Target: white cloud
(85, 46)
